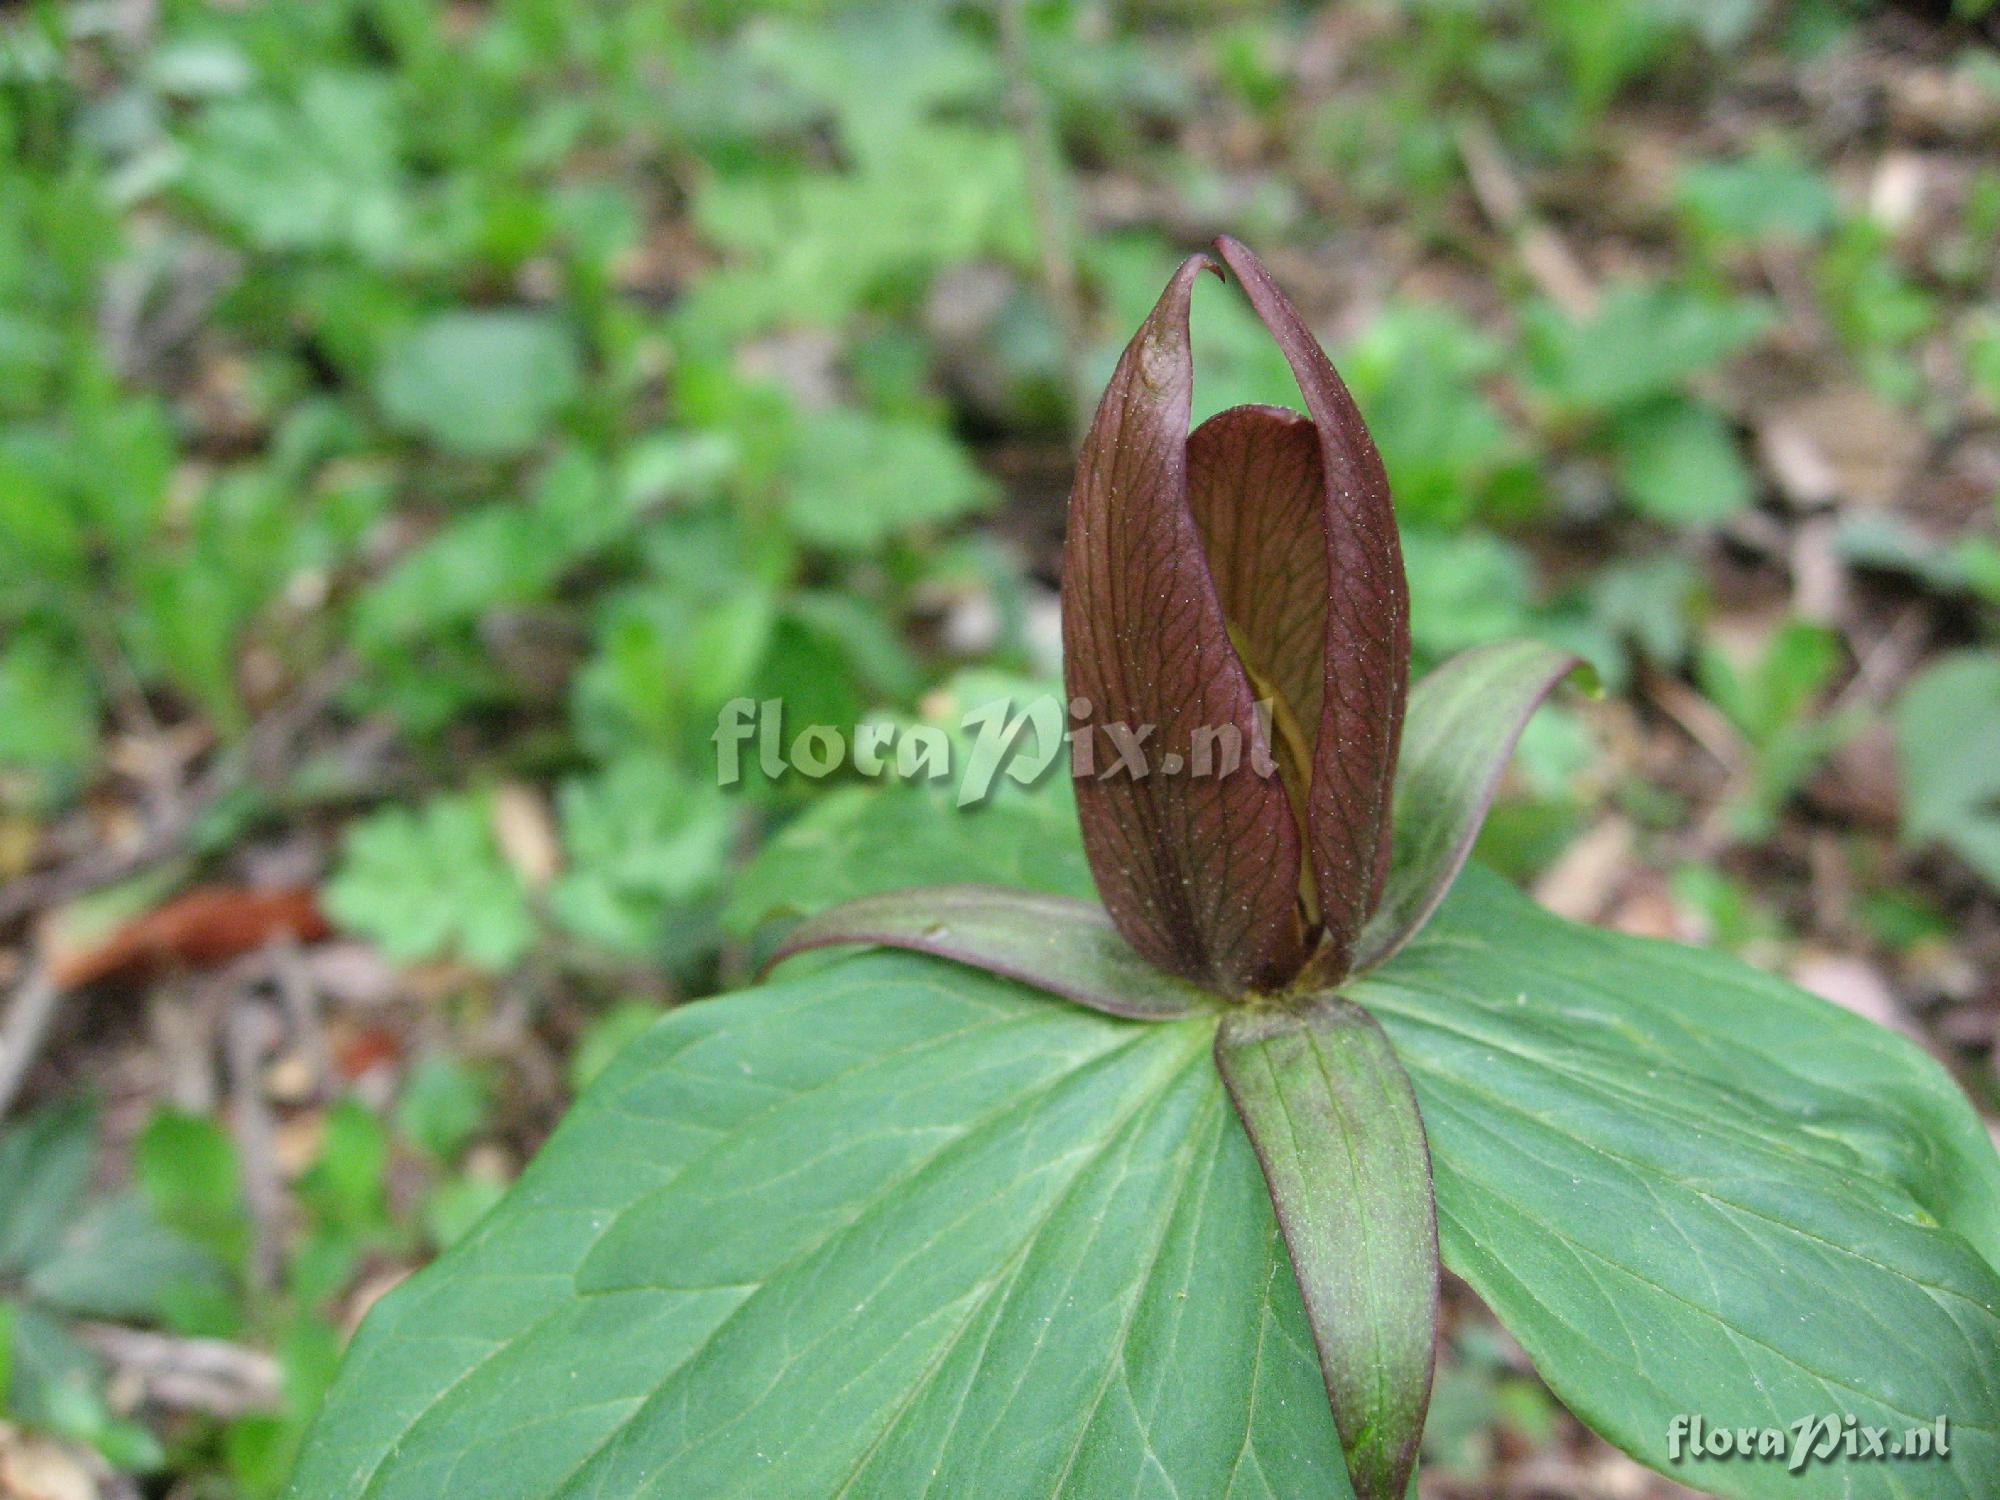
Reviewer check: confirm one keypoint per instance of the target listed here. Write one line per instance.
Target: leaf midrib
(1141, 1034)
(996, 1017)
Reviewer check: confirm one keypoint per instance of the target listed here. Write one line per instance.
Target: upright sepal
(1365, 662)
(1465, 719)
(1200, 873)
(1055, 943)
(1335, 1126)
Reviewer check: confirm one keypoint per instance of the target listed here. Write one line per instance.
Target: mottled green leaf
(893, 1227)
(1688, 1187)
(967, 1240)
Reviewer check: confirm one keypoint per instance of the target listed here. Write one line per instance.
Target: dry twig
(210, 1376)
(26, 1027)
(1544, 252)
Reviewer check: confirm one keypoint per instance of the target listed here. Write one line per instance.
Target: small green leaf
(321, 174)
(1678, 462)
(858, 480)
(345, 1188)
(643, 839)
(48, 712)
(431, 884)
(187, 1166)
(605, 1037)
(1060, 944)
(485, 384)
(1770, 194)
(1947, 726)
(1644, 341)
(1467, 588)
(444, 1106)
(1330, 1113)
(119, 1261)
(1463, 722)
(1768, 697)
(57, 1384)
(45, 1164)
(459, 1204)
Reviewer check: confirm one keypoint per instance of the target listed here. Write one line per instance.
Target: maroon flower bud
(1238, 586)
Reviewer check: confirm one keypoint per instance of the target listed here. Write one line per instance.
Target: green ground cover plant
(419, 423)
(894, 1226)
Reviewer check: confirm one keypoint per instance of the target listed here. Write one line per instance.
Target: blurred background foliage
(418, 420)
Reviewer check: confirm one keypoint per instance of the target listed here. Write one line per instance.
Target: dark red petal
(1255, 487)
(1367, 658)
(1200, 874)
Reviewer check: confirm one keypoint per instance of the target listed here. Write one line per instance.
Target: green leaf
(1417, 371)
(485, 384)
(445, 1105)
(605, 1037)
(1946, 727)
(346, 1187)
(57, 1384)
(968, 1239)
(858, 841)
(1463, 722)
(1643, 342)
(48, 711)
(1467, 588)
(882, 69)
(499, 555)
(894, 1223)
(820, 244)
(858, 480)
(1059, 944)
(119, 1261)
(1329, 1110)
(1770, 194)
(642, 839)
(187, 1166)
(1688, 1187)
(1678, 463)
(1767, 697)
(431, 884)
(45, 1164)
(322, 174)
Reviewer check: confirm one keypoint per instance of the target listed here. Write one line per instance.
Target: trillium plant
(1048, 1197)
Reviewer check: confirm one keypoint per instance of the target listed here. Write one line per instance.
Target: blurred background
(417, 420)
